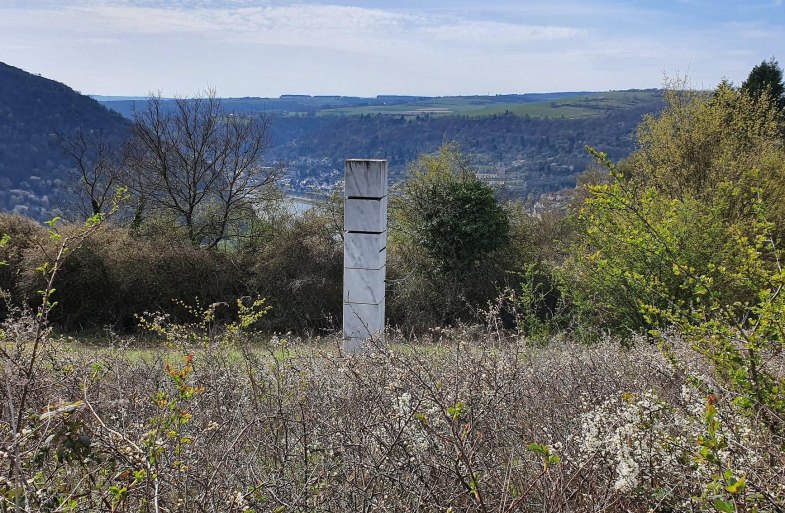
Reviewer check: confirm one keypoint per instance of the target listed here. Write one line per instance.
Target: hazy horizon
(266, 48)
(120, 97)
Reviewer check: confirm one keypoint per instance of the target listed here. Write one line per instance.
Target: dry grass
(291, 425)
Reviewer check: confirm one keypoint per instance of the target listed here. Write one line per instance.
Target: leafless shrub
(469, 422)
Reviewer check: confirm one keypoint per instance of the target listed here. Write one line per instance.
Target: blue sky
(441, 47)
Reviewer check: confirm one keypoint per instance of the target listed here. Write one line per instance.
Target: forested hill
(533, 143)
(33, 110)
(530, 154)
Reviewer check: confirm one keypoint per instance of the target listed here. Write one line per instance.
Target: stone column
(364, 251)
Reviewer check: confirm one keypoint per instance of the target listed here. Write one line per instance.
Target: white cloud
(242, 46)
(492, 33)
(330, 26)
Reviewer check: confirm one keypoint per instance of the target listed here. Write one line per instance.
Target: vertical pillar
(364, 251)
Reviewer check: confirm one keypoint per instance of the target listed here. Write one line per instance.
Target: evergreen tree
(766, 79)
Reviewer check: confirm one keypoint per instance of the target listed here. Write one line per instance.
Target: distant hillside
(33, 110)
(528, 155)
(558, 104)
(529, 143)
(532, 143)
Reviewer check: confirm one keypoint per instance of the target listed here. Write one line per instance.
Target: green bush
(715, 277)
(703, 168)
(113, 277)
(22, 233)
(447, 243)
(702, 142)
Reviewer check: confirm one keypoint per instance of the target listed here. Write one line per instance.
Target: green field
(579, 106)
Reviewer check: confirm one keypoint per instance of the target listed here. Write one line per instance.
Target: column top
(365, 178)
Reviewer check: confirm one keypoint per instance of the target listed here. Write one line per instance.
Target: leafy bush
(446, 245)
(712, 270)
(446, 211)
(112, 277)
(701, 143)
(704, 169)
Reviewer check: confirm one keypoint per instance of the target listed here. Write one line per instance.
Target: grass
(579, 106)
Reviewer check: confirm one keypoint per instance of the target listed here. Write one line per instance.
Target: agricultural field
(575, 105)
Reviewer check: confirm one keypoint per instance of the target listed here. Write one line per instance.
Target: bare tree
(98, 167)
(199, 163)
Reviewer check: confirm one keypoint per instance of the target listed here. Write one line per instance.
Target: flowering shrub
(291, 425)
(689, 454)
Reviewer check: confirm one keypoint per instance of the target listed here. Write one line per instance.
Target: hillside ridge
(34, 111)
(532, 143)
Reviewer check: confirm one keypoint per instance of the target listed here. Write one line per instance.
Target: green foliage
(765, 81)
(446, 210)
(4, 240)
(719, 284)
(547, 453)
(725, 488)
(536, 303)
(701, 142)
(678, 206)
(249, 315)
(204, 328)
(447, 240)
(686, 234)
(739, 331)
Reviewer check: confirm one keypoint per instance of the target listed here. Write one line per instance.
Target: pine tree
(766, 79)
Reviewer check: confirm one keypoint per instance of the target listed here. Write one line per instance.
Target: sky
(355, 48)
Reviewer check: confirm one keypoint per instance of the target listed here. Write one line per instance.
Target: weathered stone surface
(363, 285)
(365, 215)
(362, 321)
(364, 250)
(365, 178)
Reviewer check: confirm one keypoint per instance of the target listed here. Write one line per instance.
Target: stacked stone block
(365, 251)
